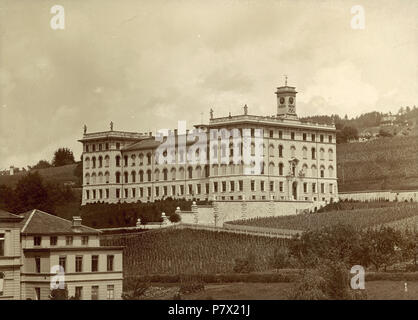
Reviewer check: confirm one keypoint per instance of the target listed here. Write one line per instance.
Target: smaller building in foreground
(36, 246)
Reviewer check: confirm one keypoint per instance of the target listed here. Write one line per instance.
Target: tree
(175, 217)
(384, 133)
(42, 164)
(78, 172)
(31, 193)
(62, 157)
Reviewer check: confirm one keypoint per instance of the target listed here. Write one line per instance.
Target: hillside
(385, 163)
(61, 175)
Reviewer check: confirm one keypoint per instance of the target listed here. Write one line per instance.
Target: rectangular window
(215, 187)
(241, 185)
(1, 244)
(330, 188)
(133, 192)
(94, 263)
(141, 192)
(181, 190)
(79, 293)
(271, 133)
(292, 135)
(85, 240)
(126, 193)
(149, 191)
(313, 137)
(78, 263)
(281, 186)
(271, 185)
(69, 240)
(118, 193)
(107, 193)
(330, 139)
(199, 189)
(63, 263)
(157, 191)
(110, 259)
(232, 186)
(173, 190)
(305, 187)
(95, 293)
(262, 185)
(280, 134)
(252, 185)
(321, 138)
(207, 187)
(37, 241)
(190, 189)
(38, 264)
(53, 240)
(110, 292)
(223, 186)
(322, 188)
(304, 137)
(313, 187)
(87, 194)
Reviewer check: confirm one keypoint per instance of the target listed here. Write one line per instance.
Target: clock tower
(286, 101)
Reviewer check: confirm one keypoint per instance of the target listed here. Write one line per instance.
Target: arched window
(271, 168)
(87, 176)
(141, 159)
(330, 154)
(125, 160)
(173, 173)
(215, 151)
(215, 169)
(148, 159)
(252, 149)
(93, 160)
(223, 150)
(271, 150)
(305, 152)
(280, 151)
(133, 157)
(198, 172)
(165, 174)
(207, 173)
(181, 173)
(280, 169)
(100, 162)
(157, 175)
(117, 176)
(241, 167)
(117, 158)
(322, 154)
(314, 171)
(322, 171)
(93, 178)
(133, 176)
(181, 156)
(331, 171)
(313, 152)
(107, 176)
(125, 175)
(107, 160)
(149, 175)
(231, 167)
(87, 162)
(100, 177)
(223, 169)
(190, 172)
(305, 169)
(141, 176)
(292, 151)
(262, 167)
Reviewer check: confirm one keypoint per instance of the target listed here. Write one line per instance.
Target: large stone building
(35, 245)
(295, 160)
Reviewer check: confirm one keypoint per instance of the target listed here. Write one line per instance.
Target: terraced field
(360, 218)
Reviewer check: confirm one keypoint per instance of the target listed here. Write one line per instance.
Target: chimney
(12, 170)
(76, 221)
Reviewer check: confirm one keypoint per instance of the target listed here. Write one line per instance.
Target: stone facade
(298, 161)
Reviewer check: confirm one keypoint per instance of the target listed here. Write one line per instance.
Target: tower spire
(285, 79)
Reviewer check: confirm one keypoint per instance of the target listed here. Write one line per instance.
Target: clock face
(281, 100)
(291, 109)
(291, 100)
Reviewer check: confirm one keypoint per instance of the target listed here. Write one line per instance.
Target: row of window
(198, 189)
(204, 172)
(110, 292)
(99, 161)
(53, 240)
(78, 263)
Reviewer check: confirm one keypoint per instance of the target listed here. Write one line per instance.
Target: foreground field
(376, 290)
(190, 251)
(358, 218)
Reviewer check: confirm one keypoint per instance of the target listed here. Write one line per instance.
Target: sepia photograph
(208, 154)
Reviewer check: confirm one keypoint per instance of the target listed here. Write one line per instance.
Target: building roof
(39, 222)
(4, 215)
(143, 144)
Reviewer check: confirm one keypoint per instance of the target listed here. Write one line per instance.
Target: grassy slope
(359, 218)
(388, 163)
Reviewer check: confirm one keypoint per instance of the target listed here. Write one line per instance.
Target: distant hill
(61, 175)
(384, 163)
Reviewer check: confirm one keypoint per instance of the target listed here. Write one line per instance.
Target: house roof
(39, 222)
(4, 215)
(143, 144)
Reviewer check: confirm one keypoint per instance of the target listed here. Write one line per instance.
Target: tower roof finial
(285, 79)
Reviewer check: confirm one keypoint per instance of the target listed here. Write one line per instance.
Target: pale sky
(147, 64)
